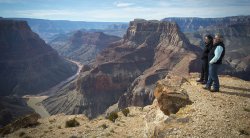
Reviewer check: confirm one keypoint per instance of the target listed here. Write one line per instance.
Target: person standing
(215, 57)
(204, 68)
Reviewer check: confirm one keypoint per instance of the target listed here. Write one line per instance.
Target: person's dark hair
(210, 38)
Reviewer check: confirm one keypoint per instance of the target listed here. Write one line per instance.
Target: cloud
(123, 4)
(116, 10)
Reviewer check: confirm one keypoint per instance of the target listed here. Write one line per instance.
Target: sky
(121, 10)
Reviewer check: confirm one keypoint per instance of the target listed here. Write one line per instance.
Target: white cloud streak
(126, 11)
(123, 4)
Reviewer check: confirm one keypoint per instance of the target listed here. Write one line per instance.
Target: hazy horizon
(121, 10)
(111, 21)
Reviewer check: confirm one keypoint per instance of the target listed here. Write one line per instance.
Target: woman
(204, 68)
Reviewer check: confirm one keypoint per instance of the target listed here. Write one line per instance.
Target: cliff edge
(222, 114)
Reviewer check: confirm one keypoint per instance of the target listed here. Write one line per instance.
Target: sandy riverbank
(34, 102)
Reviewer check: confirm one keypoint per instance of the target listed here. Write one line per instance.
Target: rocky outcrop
(11, 108)
(28, 64)
(147, 53)
(81, 45)
(172, 54)
(223, 114)
(23, 122)
(170, 96)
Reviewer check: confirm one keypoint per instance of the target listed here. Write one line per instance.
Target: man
(215, 57)
(204, 68)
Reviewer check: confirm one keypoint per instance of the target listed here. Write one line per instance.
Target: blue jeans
(213, 76)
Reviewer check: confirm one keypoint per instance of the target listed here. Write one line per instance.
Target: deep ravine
(35, 101)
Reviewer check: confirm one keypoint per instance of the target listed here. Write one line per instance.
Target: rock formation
(147, 53)
(48, 29)
(81, 45)
(11, 108)
(223, 114)
(170, 96)
(28, 65)
(192, 24)
(23, 122)
(172, 53)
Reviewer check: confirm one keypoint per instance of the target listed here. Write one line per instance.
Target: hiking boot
(204, 82)
(207, 88)
(214, 90)
(199, 80)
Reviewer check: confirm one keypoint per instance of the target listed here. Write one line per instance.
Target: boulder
(170, 96)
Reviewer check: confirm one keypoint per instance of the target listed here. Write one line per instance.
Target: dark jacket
(211, 53)
(206, 50)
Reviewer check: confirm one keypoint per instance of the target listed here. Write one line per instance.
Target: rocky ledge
(222, 114)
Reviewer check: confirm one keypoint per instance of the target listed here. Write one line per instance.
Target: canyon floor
(223, 114)
(35, 101)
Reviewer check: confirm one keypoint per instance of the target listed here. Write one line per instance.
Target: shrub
(21, 134)
(104, 126)
(27, 137)
(52, 121)
(72, 123)
(243, 132)
(246, 109)
(112, 116)
(125, 111)
(108, 134)
(46, 131)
